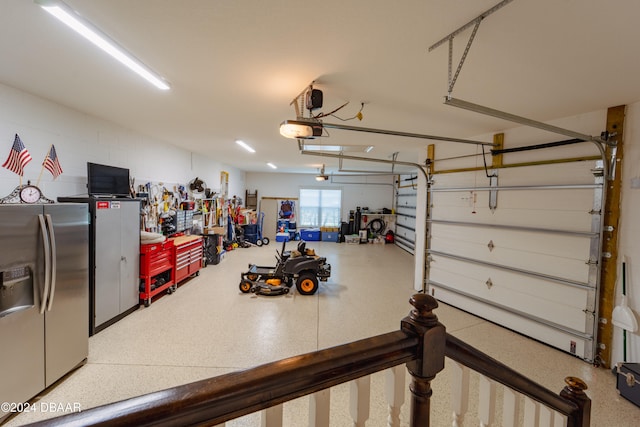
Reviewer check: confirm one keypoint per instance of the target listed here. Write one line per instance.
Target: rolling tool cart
(157, 272)
(261, 240)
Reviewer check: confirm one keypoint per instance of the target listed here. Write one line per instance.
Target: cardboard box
(215, 230)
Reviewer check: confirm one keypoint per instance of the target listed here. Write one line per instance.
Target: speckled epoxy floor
(208, 328)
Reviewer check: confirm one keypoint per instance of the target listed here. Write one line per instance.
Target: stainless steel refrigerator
(44, 291)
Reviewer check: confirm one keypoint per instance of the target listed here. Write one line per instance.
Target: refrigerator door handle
(54, 269)
(47, 269)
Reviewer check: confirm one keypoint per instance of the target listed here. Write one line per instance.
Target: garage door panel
(526, 286)
(553, 263)
(558, 304)
(574, 216)
(579, 201)
(574, 200)
(565, 173)
(405, 206)
(572, 247)
(562, 340)
(567, 221)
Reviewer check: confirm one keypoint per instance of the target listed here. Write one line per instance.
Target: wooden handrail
(421, 343)
(484, 364)
(219, 399)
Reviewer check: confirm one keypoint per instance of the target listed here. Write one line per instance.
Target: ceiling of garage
(235, 65)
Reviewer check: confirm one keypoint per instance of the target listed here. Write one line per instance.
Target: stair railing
(421, 343)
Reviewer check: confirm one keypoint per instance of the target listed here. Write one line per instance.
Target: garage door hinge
(595, 212)
(591, 262)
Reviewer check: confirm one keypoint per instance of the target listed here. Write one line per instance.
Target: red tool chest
(188, 256)
(157, 272)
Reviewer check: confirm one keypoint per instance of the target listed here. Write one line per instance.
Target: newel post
(574, 391)
(429, 356)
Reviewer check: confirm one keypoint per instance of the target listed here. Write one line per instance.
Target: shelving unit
(251, 199)
(213, 212)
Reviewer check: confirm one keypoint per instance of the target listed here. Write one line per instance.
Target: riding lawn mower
(301, 265)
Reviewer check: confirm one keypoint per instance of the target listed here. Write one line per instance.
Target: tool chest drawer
(157, 272)
(155, 258)
(188, 256)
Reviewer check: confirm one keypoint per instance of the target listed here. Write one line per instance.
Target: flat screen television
(103, 180)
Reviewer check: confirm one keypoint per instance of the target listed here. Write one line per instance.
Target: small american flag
(51, 163)
(18, 157)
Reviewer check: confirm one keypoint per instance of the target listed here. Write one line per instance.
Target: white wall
(80, 138)
(374, 192)
(629, 232)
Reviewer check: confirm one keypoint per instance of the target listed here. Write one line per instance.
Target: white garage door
(521, 250)
(406, 199)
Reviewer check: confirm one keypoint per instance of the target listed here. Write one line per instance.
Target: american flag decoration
(18, 157)
(51, 163)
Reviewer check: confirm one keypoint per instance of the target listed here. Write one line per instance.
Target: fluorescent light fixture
(300, 129)
(87, 30)
(245, 146)
(272, 166)
(339, 148)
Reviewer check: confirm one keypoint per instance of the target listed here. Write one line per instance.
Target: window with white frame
(320, 207)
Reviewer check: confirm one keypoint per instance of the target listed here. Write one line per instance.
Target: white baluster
(486, 401)
(272, 417)
(531, 413)
(545, 418)
(319, 408)
(559, 420)
(394, 392)
(360, 392)
(510, 408)
(459, 392)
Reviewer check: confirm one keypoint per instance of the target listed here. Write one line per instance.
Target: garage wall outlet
(635, 182)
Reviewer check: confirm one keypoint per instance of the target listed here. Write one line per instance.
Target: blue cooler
(282, 237)
(310, 235)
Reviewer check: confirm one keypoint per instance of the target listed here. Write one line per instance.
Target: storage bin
(310, 235)
(329, 236)
(352, 239)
